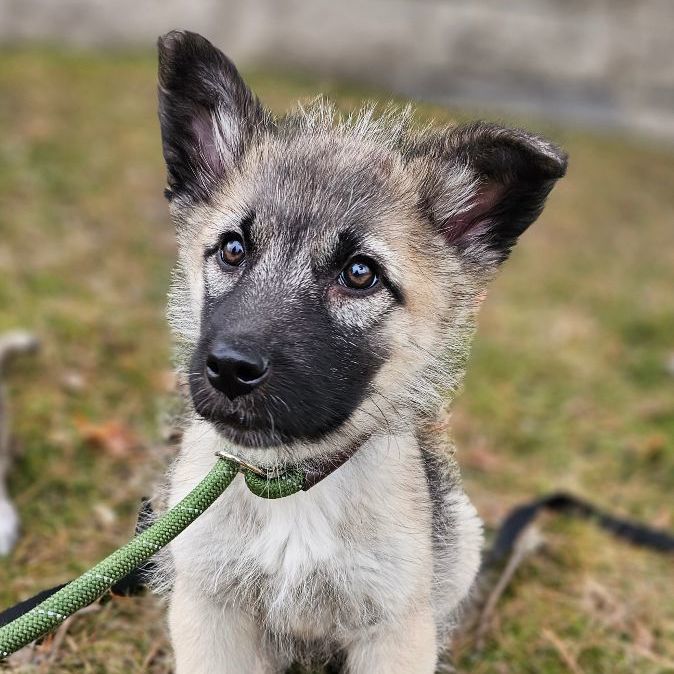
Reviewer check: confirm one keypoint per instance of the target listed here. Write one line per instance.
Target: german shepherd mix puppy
(329, 275)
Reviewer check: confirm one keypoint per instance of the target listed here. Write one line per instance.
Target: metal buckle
(241, 463)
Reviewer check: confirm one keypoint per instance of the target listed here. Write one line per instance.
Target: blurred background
(571, 385)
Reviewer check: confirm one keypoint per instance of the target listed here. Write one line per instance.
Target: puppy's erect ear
(206, 112)
(483, 185)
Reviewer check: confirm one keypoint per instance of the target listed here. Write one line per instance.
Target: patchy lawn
(569, 385)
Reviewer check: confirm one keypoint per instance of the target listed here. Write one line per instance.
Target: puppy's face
(329, 271)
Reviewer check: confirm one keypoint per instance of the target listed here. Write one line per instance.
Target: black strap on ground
(133, 584)
(19, 609)
(130, 585)
(506, 537)
(623, 528)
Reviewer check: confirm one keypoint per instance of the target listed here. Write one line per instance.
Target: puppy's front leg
(407, 648)
(210, 639)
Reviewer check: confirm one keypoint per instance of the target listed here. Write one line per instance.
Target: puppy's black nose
(235, 370)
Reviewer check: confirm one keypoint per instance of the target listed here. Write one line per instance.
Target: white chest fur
(349, 552)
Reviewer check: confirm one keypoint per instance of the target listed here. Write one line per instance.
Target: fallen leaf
(115, 438)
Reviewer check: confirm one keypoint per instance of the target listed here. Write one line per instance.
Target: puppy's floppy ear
(207, 114)
(483, 185)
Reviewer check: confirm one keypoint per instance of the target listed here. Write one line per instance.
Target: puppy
(11, 344)
(329, 275)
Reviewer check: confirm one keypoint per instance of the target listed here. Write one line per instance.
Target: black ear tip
(547, 159)
(496, 149)
(176, 41)
(181, 52)
(563, 164)
(553, 161)
(170, 41)
(168, 45)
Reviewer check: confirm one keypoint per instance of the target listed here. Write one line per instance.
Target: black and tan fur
(371, 565)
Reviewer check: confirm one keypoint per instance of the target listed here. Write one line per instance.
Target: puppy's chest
(329, 560)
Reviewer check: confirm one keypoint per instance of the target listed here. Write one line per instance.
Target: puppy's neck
(326, 453)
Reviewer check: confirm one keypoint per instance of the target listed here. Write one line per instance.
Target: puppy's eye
(232, 250)
(359, 274)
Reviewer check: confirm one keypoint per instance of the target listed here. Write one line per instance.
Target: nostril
(249, 372)
(212, 366)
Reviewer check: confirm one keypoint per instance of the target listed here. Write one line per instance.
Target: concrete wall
(605, 62)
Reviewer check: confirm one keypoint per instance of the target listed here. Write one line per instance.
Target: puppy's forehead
(331, 182)
(316, 190)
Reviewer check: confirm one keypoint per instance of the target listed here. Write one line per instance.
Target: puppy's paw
(9, 527)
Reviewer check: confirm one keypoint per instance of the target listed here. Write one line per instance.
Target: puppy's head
(329, 269)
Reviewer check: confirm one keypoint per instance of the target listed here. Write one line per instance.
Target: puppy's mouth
(249, 431)
(239, 421)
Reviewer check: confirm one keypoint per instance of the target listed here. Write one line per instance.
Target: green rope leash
(93, 584)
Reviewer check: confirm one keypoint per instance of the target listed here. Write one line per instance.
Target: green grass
(567, 388)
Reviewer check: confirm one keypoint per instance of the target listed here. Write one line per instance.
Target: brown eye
(232, 250)
(359, 274)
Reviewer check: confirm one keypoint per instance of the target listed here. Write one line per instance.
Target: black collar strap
(314, 474)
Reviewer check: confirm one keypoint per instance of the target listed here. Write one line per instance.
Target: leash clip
(221, 454)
